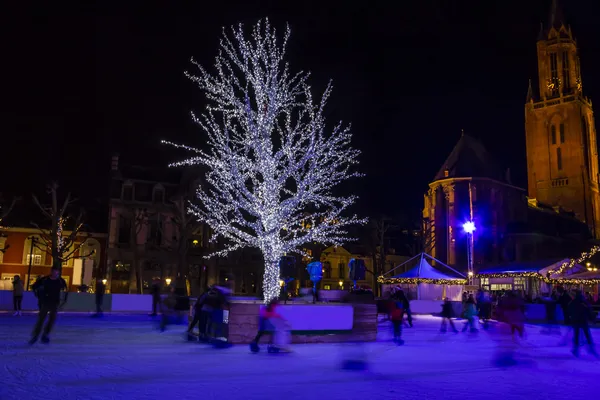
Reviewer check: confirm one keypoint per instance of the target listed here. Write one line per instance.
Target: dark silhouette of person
(48, 289)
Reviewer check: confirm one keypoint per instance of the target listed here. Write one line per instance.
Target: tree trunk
(271, 288)
(133, 267)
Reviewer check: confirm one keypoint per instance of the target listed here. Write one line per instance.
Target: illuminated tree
(272, 163)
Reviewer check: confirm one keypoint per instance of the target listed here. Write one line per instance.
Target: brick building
(18, 254)
(562, 152)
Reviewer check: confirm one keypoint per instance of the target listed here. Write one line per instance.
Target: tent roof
(424, 270)
(541, 267)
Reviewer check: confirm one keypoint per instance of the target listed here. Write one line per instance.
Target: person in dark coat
(17, 294)
(564, 299)
(100, 289)
(580, 312)
(48, 289)
(155, 292)
(447, 314)
(401, 297)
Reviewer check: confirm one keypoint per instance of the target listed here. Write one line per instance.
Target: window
(559, 159)
(8, 277)
(128, 192)
(158, 195)
(37, 259)
(562, 133)
(155, 231)
(2, 248)
(124, 229)
(484, 283)
(341, 269)
(565, 64)
(554, 81)
(500, 286)
(553, 134)
(327, 287)
(327, 270)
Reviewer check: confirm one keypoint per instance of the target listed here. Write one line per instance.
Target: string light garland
(271, 164)
(586, 255)
(412, 281)
(512, 275)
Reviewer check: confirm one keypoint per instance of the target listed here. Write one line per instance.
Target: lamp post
(469, 228)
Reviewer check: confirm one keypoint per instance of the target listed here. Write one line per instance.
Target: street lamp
(168, 280)
(469, 228)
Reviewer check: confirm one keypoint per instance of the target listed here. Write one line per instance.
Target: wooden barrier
(243, 325)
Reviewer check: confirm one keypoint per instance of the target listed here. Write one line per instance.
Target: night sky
(82, 82)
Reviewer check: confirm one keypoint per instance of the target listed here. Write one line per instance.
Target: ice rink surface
(125, 357)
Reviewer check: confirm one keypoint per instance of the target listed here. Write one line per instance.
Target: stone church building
(560, 209)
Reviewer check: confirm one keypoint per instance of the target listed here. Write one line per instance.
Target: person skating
(484, 307)
(100, 289)
(17, 294)
(470, 313)
(155, 292)
(580, 313)
(266, 324)
(447, 314)
(401, 297)
(48, 289)
(564, 300)
(200, 319)
(397, 317)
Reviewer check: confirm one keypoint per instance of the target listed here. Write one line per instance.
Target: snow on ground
(124, 357)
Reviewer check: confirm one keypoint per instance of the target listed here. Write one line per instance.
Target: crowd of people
(507, 307)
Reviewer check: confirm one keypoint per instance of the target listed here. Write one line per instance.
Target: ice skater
(265, 324)
(580, 314)
(447, 314)
(100, 289)
(484, 307)
(48, 290)
(200, 319)
(17, 294)
(470, 313)
(397, 317)
(399, 296)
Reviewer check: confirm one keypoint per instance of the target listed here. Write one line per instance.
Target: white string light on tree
(272, 164)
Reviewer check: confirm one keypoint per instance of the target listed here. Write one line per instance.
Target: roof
(150, 174)
(424, 270)
(520, 267)
(469, 158)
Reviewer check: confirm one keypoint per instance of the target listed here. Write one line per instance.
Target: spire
(529, 92)
(557, 18)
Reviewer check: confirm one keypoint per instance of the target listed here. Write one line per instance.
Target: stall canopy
(424, 272)
(425, 281)
(534, 269)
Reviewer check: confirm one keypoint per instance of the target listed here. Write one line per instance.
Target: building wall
(14, 260)
(448, 203)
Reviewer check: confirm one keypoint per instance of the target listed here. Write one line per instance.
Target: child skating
(273, 324)
(397, 315)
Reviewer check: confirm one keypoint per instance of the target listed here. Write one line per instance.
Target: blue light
(469, 227)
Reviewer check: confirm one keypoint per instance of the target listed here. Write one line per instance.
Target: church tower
(562, 153)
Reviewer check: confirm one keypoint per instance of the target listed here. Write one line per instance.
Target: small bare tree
(54, 241)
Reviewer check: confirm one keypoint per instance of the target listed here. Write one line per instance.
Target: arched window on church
(562, 133)
(553, 134)
(585, 141)
(559, 158)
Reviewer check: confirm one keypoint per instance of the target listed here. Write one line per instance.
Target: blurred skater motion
(271, 323)
(48, 291)
(511, 314)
